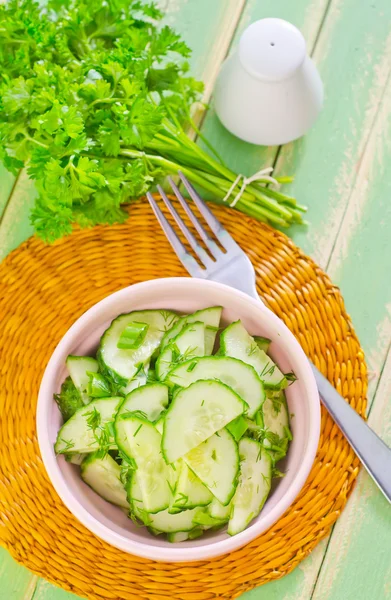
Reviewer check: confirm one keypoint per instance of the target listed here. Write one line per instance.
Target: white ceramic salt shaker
(269, 91)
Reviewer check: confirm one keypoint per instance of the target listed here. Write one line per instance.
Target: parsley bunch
(95, 101)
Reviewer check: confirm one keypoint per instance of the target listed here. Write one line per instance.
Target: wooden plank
(354, 58)
(357, 564)
(361, 536)
(15, 226)
(297, 585)
(16, 582)
(363, 244)
(47, 591)
(7, 182)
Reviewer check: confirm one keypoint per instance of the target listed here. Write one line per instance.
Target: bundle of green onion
(95, 101)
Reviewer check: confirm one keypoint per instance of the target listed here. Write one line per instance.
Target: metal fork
(233, 268)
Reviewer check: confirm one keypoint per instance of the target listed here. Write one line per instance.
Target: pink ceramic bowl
(185, 295)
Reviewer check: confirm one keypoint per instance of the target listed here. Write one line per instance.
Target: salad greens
(95, 101)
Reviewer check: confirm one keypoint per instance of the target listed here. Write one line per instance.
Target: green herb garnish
(96, 101)
(69, 444)
(291, 377)
(132, 336)
(69, 399)
(191, 366)
(137, 430)
(93, 418)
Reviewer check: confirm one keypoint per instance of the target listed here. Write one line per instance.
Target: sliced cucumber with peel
(210, 317)
(190, 492)
(162, 521)
(275, 413)
(190, 342)
(180, 536)
(124, 362)
(216, 464)
(138, 380)
(218, 511)
(253, 487)
(75, 459)
(79, 368)
(140, 441)
(272, 425)
(88, 429)
(195, 414)
(102, 474)
(238, 427)
(196, 436)
(262, 342)
(235, 341)
(276, 423)
(160, 424)
(236, 374)
(206, 521)
(148, 401)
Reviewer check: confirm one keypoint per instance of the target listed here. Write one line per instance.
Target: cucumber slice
(189, 491)
(262, 342)
(206, 521)
(103, 476)
(190, 342)
(167, 523)
(139, 379)
(218, 511)
(210, 317)
(138, 439)
(237, 427)
(239, 376)
(180, 536)
(195, 414)
(69, 399)
(275, 413)
(79, 367)
(159, 425)
(124, 362)
(235, 341)
(149, 401)
(89, 429)
(255, 428)
(216, 464)
(98, 386)
(162, 521)
(75, 459)
(254, 484)
(272, 425)
(276, 423)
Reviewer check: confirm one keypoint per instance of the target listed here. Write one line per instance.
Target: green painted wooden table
(343, 174)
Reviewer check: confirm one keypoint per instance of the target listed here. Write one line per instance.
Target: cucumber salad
(182, 436)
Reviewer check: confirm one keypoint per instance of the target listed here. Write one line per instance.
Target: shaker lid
(272, 49)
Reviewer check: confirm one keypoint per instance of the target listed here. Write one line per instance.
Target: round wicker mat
(43, 289)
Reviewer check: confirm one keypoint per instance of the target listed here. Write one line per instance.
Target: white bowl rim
(172, 554)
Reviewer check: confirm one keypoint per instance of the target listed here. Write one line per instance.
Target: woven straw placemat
(43, 289)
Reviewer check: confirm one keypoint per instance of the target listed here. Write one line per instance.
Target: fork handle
(371, 450)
